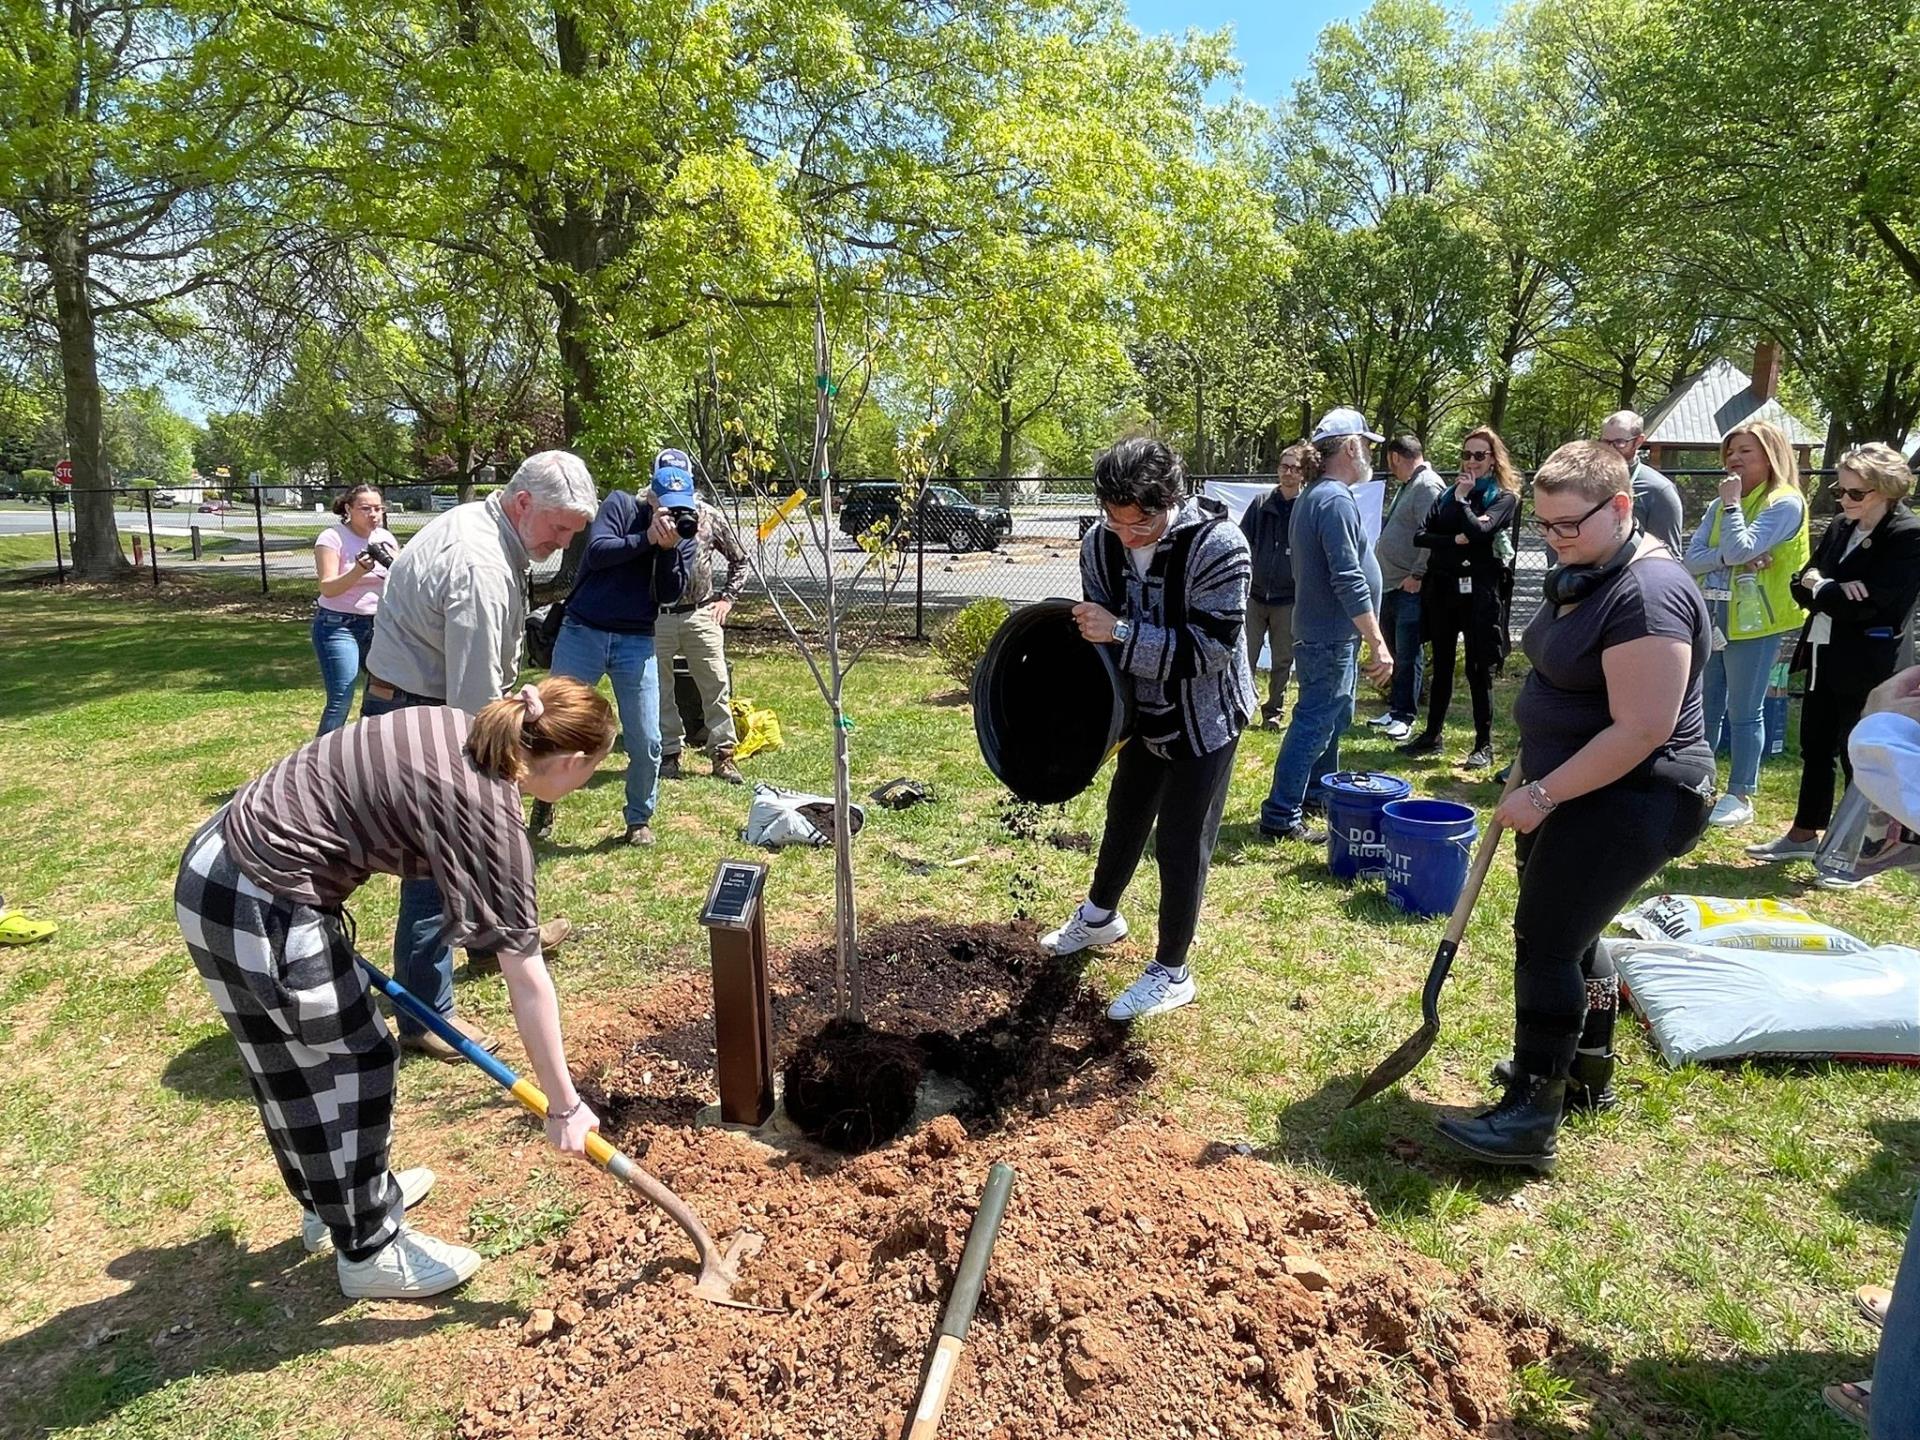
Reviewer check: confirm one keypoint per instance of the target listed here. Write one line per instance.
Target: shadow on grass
(1881, 1190)
(1772, 1395)
(206, 1307)
(210, 1070)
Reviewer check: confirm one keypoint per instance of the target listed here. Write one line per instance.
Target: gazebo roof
(1704, 407)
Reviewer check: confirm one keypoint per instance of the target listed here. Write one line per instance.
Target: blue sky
(1273, 41)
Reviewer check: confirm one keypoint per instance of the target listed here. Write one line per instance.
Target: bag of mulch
(791, 817)
(1719, 1002)
(1736, 924)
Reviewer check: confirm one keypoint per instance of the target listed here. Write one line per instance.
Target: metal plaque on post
(742, 1008)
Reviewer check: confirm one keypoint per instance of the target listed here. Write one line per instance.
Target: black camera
(382, 553)
(686, 520)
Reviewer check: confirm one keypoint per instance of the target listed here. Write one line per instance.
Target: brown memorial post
(742, 1012)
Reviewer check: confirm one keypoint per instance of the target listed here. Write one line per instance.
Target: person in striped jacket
(1165, 579)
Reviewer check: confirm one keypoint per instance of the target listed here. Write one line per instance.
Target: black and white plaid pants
(318, 1054)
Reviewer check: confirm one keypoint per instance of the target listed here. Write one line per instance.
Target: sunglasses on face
(1567, 529)
(1847, 492)
(1476, 454)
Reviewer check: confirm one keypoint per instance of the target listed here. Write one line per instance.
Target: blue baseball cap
(673, 479)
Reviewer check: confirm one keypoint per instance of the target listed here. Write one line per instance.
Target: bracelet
(1543, 802)
(568, 1113)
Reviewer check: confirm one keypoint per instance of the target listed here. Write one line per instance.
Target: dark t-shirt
(1563, 703)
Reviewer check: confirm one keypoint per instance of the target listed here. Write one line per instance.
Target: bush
(962, 642)
(36, 482)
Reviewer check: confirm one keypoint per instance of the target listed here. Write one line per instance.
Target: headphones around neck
(1570, 584)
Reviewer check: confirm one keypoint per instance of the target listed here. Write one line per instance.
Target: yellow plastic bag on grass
(755, 729)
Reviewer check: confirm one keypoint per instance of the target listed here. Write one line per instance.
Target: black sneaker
(1428, 744)
(540, 823)
(670, 766)
(1479, 758)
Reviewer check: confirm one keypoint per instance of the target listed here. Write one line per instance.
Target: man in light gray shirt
(448, 632)
(1656, 503)
(1403, 564)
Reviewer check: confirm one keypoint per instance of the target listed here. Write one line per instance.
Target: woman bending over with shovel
(1613, 741)
(425, 792)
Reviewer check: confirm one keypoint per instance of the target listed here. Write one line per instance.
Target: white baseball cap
(1343, 421)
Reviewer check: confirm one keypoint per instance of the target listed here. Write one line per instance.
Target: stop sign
(63, 471)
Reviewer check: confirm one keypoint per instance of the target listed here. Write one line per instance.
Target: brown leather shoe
(639, 835)
(428, 1043)
(725, 769)
(554, 933)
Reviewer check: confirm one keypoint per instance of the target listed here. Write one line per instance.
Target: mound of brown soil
(1147, 1282)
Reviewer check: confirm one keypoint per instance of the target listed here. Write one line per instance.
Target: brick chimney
(1766, 370)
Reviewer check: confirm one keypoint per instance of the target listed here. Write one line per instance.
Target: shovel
(718, 1272)
(1400, 1063)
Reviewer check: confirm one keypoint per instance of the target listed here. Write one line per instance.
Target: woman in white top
(351, 559)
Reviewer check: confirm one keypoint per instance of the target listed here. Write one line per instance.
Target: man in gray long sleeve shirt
(1403, 564)
(1336, 599)
(1656, 501)
(448, 632)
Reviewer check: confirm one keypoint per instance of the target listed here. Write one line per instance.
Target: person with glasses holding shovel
(1620, 780)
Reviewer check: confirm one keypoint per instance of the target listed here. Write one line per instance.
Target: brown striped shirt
(395, 795)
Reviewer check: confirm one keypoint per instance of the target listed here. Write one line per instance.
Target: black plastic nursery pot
(1048, 706)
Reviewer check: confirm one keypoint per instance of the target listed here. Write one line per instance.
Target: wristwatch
(1122, 632)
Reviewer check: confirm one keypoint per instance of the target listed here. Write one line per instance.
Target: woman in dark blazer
(1857, 590)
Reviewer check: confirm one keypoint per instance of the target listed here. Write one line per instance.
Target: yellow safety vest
(1776, 581)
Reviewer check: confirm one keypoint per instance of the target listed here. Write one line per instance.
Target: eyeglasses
(1847, 492)
(1134, 527)
(1619, 442)
(1567, 529)
(1290, 467)
(1476, 454)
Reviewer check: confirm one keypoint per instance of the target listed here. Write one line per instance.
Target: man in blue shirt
(1336, 603)
(636, 562)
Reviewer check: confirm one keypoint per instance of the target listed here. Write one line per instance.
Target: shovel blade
(1399, 1064)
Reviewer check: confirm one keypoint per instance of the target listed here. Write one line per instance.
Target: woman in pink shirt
(351, 559)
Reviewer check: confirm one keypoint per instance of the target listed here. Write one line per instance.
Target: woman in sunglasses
(1857, 590)
(1470, 532)
(1613, 741)
(1750, 544)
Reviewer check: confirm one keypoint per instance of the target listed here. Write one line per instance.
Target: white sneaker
(1731, 809)
(1383, 722)
(412, 1267)
(1154, 993)
(1080, 933)
(1785, 848)
(1398, 730)
(414, 1185)
(1842, 882)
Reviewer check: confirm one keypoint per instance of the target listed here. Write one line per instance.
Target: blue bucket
(1429, 846)
(1355, 799)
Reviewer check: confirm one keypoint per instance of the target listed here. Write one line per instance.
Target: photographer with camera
(695, 627)
(639, 555)
(352, 559)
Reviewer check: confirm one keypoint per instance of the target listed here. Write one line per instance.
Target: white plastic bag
(1706, 1002)
(792, 817)
(1738, 924)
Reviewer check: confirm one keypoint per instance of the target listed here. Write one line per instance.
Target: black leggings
(1187, 798)
(1827, 718)
(1448, 614)
(1577, 871)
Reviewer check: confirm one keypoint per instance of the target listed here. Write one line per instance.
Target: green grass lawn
(1698, 1246)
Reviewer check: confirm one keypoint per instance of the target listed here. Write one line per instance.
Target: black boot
(1589, 1084)
(540, 823)
(1523, 1129)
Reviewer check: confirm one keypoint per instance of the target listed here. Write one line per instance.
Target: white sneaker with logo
(1731, 809)
(1398, 730)
(1381, 722)
(412, 1267)
(1154, 993)
(414, 1185)
(1080, 933)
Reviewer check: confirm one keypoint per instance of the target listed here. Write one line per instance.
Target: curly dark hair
(1142, 472)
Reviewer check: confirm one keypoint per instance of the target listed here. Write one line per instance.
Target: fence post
(153, 550)
(260, 537)
(920, 579)
(59, 565)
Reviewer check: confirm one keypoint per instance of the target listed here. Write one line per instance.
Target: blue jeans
(1400, 619)
(422, 959)
(1895, 1410)
(585, 654)
(341, 641)
(1735, 689)
(1328, 674)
